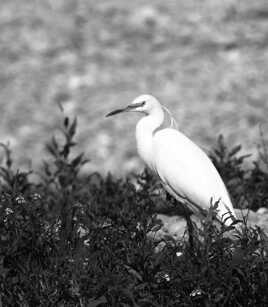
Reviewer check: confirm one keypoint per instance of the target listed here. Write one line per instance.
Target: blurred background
(205, 60)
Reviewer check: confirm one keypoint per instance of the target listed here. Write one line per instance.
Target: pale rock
(175, 226)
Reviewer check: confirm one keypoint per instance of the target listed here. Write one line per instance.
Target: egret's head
(143, 104)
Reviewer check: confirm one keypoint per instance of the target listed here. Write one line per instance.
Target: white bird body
(197, 180)
(185, 170)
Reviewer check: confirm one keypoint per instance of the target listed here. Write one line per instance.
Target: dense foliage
(71, 240)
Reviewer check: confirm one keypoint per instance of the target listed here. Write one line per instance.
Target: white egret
(184, 169)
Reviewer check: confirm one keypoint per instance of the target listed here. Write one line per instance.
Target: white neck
(144, 134)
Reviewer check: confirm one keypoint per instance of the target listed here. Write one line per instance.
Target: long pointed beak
(129, 108)
(116, 112)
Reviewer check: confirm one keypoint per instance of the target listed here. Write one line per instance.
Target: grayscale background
(205, 60)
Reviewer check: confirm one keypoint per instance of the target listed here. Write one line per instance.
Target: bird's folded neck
(144, 134)
(149, 123)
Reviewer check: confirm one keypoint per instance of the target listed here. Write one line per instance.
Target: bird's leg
(190, 231)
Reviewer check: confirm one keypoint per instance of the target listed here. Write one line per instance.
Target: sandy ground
(205, 60)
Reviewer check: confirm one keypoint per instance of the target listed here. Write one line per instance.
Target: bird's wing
(188, 171)
(183, 199)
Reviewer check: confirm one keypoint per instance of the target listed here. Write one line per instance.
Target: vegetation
(73, 240)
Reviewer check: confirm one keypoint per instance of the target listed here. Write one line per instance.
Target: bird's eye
(143, 103)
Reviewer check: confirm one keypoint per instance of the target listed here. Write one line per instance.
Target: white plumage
(185, 170)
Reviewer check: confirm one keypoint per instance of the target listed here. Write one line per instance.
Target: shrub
(248, 187)
(71, 240)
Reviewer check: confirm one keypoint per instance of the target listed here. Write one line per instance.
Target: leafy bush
(71, 240)
(248, 187)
